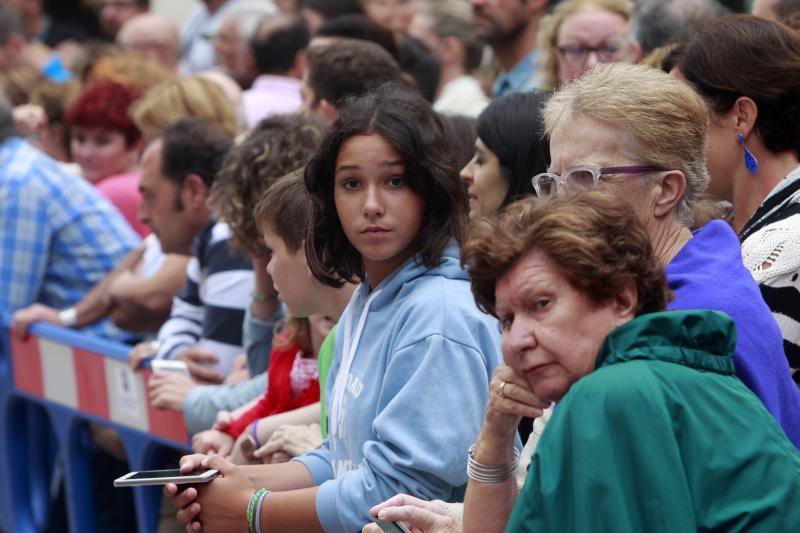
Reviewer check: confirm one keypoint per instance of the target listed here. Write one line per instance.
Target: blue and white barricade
(53, 385)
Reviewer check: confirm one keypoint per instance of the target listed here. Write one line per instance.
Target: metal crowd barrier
(52, 387)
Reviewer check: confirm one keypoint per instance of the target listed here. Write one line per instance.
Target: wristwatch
(68, 317)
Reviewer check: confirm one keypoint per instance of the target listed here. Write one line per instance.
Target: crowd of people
(431, 265)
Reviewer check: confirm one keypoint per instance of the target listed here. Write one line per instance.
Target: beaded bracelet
(258, 511)
(255, 433)
(490, 473)
(251, 507)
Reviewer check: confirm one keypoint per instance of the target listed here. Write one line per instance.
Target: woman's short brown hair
(402, 117)
(596, 241)
(276, 146)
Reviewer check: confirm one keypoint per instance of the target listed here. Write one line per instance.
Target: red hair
(105, 104)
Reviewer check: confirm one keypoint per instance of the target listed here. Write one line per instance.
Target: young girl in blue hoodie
(413, 354)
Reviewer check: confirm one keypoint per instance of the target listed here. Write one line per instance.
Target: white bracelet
(68, 317)
(258, 511)
(482, 473)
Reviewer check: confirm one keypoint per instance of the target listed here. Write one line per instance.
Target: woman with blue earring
(748, 69)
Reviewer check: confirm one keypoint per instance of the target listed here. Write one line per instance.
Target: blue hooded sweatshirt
(403, 417)
(708, 273)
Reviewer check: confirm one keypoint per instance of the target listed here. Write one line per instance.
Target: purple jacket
(708, 273)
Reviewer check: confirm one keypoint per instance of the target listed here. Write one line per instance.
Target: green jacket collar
(698, 339)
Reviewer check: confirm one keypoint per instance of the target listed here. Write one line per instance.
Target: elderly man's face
(552, 332)
(585, 141)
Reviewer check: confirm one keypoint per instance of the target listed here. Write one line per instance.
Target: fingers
(191, 462)
(183, 499)
(371, 528)
(268, 448)
(198, 355)
(395, 501)
(204, 373)
(416, 516)
(189, 513)
(218, 462)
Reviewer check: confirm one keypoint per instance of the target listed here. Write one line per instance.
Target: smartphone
(391, 527)
(168, 365)
(162, 477)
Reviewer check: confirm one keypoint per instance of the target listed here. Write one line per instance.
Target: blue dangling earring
(750, 160)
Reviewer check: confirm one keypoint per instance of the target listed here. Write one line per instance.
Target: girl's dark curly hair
(407, 122)
(277, 146)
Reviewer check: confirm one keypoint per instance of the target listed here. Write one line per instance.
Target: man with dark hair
(655, 23)
(341, 68)
(452, 40)
(58, 235)
(205, 326)
(114, 13)
(279, 52)
(316, 12)
(510, 28)
(776, 9)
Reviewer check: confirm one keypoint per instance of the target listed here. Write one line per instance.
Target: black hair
(745, 55)
(333, 8)
(512, 127)
(360, 27)
(346, 68)
(193, 146)
(275, 52)
(420, 64)
(402, 117)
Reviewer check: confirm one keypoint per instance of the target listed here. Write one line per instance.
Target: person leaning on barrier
(59, 235)
(652, 429)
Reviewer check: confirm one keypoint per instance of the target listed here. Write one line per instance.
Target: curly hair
(596, 241)
(402, 117)
(277, 146)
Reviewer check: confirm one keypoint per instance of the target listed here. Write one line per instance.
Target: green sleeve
(608, 461)
(324, 360)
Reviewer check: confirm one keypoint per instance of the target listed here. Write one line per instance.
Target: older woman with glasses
(653, 430)
(580, 34)
(641, 135)
(621, 115)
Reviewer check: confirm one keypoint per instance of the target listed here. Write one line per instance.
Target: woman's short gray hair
(663, 120)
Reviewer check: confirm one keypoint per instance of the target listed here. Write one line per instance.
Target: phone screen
(161, 474)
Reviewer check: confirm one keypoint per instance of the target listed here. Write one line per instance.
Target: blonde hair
(128, 67)
(187, 96)
(551, 24)
(663, 121)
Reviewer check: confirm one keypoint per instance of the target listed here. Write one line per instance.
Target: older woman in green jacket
(652, 431)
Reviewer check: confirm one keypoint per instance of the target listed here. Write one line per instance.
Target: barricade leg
(76, 452)
(142, 455)
(27, 465)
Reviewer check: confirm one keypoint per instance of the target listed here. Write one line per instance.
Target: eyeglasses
(577, 53)
(583, 177)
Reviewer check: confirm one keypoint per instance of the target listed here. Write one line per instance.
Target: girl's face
(379, 212)
(100, 152)
(487, 188)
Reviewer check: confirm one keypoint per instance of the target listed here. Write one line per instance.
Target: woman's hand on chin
(510, 398)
